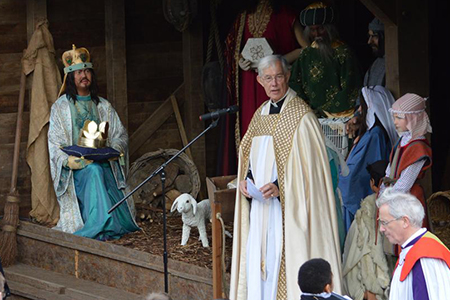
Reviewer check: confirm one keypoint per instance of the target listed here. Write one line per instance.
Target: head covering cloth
(412, 107)
(317, 14)
(376, 25)
(379, 100)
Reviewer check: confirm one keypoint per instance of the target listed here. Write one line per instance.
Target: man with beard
(326, 74)
(86, 190)
(376, 74)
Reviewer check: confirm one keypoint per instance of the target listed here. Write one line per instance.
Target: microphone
(218, 113)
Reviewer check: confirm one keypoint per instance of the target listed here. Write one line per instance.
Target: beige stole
(281, 127)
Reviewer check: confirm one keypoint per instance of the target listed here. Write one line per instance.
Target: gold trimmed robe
(306, 193)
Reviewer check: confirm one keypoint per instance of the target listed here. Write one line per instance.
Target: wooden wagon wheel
(181, 176)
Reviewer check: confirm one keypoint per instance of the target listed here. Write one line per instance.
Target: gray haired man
(285, 210)
(423, 266)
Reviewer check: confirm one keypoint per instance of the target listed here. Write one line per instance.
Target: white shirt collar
(407, 136)
(412, 237)
(275, 103)
(323, 295)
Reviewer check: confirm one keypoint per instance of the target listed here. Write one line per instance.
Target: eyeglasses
(386, 223)
(268, 78)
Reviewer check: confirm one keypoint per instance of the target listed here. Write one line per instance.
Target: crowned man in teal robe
(86, 190)
(326, 74)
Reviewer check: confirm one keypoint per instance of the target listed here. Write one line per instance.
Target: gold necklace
(257, 21)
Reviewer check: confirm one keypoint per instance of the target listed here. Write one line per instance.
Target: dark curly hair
(314, 275)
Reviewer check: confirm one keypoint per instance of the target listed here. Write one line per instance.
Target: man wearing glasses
(423, 266)
(285, 208)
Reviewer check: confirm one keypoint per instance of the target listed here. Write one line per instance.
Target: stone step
(37, 283)
(25, 291)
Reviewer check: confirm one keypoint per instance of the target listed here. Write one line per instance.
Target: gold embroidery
(343, 82)
(341, 54)
(316, 71)
(257, 21)
(282, 127)
(331, 93)
(237, 53)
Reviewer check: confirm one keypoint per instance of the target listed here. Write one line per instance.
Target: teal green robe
(327, 86)
(86, 195)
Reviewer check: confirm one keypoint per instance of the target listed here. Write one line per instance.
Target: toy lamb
(193, 214)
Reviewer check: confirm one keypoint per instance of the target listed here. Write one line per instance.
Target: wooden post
(116, 62)
(222, 202)
(406, 44)
(180, 124)
(392, 62)
(194, 106)
(413, 47)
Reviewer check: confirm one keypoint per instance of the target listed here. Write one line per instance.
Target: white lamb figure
(193, 215)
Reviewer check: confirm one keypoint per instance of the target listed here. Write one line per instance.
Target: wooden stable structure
(152, 73)
(145, 67)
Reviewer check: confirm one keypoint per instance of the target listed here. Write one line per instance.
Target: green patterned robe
(327, 86)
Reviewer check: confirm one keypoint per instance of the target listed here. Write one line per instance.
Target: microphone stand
(162, 173)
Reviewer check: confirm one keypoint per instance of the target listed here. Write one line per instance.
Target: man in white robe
(285, 208)
(423, 267)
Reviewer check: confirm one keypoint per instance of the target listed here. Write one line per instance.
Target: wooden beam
(156, 120)
(116, 62)
(194, 105)
(392, 59)
(180, 124)
(413, 53)
(384, 10)
(413, 46)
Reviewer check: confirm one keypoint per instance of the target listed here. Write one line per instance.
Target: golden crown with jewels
(75, 59)
(93, 135)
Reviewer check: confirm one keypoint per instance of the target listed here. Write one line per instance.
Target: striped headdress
(412, 107)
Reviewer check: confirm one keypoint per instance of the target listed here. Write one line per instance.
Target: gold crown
(76, 59)
(90, 137)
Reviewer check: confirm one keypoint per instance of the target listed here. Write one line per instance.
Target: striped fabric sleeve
(409, 176)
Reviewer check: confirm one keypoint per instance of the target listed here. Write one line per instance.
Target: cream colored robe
(306, 191)
(365, 267)
(39, 59)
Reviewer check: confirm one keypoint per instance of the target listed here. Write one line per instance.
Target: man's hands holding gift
(77, 163)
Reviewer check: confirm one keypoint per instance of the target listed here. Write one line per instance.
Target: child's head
(377, 171)
(410, 115)
(314, 276)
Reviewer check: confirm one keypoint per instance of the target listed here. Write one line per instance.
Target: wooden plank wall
(74, 24)
(154, 61)
(13, 40)
(154, 70)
